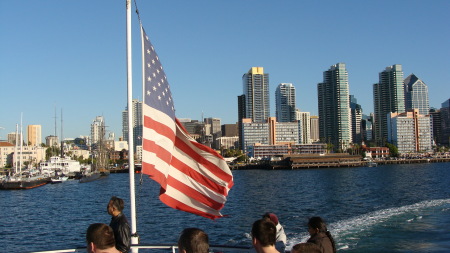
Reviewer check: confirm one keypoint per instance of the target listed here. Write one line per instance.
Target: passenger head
(272, 217)
(115, 204)
(316, 225)
(100, 237)
(264, 231)
(306, 247)
(193, 240)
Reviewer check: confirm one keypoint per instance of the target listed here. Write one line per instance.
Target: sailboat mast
(15, 149)
(21, 143)
(134, 238)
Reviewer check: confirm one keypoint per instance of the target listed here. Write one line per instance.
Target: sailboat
(19, 179)
(99, 169)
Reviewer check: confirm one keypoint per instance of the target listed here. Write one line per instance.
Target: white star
(157, 58)
(167, 102)
(148, 65)
(146, 37)
(159, 97)
(159, 84)
(157, 71)
(162, 80)
(148, 93)
(148, 51)
(153, 61)
(149, 79)
(154, 74)
(164, 94)
(154, 88)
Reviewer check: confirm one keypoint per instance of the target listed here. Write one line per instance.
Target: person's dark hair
(193, 240)
(265, 231)
(306, 247)
(319, 223)
(101, 235)
(117, 203)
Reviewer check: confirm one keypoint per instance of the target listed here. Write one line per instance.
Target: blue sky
(70, 55)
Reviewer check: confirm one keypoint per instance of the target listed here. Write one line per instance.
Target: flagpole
(134, 236)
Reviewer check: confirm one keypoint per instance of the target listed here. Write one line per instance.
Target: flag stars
(148, 93)
(154, 88)
(159, 97)
(149, 79)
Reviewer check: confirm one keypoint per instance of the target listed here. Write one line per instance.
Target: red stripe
(219, 172)
(154, 174)
(160, 128)
(160, 152)
(193, 194)
(199, 177)
(168, 200)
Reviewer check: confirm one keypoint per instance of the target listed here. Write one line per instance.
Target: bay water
(389, 208)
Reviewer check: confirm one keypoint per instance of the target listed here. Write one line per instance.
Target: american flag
(193, 177)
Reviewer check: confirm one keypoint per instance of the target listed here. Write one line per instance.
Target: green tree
(393, 150)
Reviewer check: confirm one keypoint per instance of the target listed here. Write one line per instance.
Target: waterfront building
(388, 96)
(136, 113)
(34, 135)
(285, 102)
(97, 129)
(410, 132)
(376, 152)
(416, 95)
(268, 151)
(314, 126)
(215, 130)
(334, 107)
(227, 142)
(445, 123)
(304, 119)
(31, 155)
(256, 91)
(356, 113)
(269, 133)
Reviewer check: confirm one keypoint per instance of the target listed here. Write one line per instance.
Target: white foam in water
(349, 228)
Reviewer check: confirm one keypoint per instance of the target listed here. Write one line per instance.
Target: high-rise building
(435, 115)
(97, 129)
(388, 96)
(445, 123)
(256, 90)
(334, 107)
(410, 131)
(34, 135)
(285, 102)
(314, 128)
(356, 112)
(136, 122)
(416, 95)
(304, 120)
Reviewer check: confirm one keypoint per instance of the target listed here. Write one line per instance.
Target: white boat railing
(160, 248)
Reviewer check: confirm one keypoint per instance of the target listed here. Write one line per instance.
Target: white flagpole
(134, 237)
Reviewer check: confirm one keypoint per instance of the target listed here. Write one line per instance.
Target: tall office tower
(241, 116)
(304, 120)
(435, 115)
(335, 125)
(285, 102)
(314, 128)
(410, 131)
(367, 127)
(356, 112)
(34, 135)
(416, 95)
(445, 123)
(388, 96)
(256, 90)
(215, 131)
(97, 129)
(136, 122)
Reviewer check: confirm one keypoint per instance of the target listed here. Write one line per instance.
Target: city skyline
(53, 61)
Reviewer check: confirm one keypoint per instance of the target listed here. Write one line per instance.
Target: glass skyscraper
(416, 95)
(388, 96)
(256, 90)
(285, 102)
(334, 107)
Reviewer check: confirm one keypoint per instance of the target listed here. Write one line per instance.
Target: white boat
(57, 164)
(372, 164)
(58, 179)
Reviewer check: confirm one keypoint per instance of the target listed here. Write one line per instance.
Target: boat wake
(348, 232)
